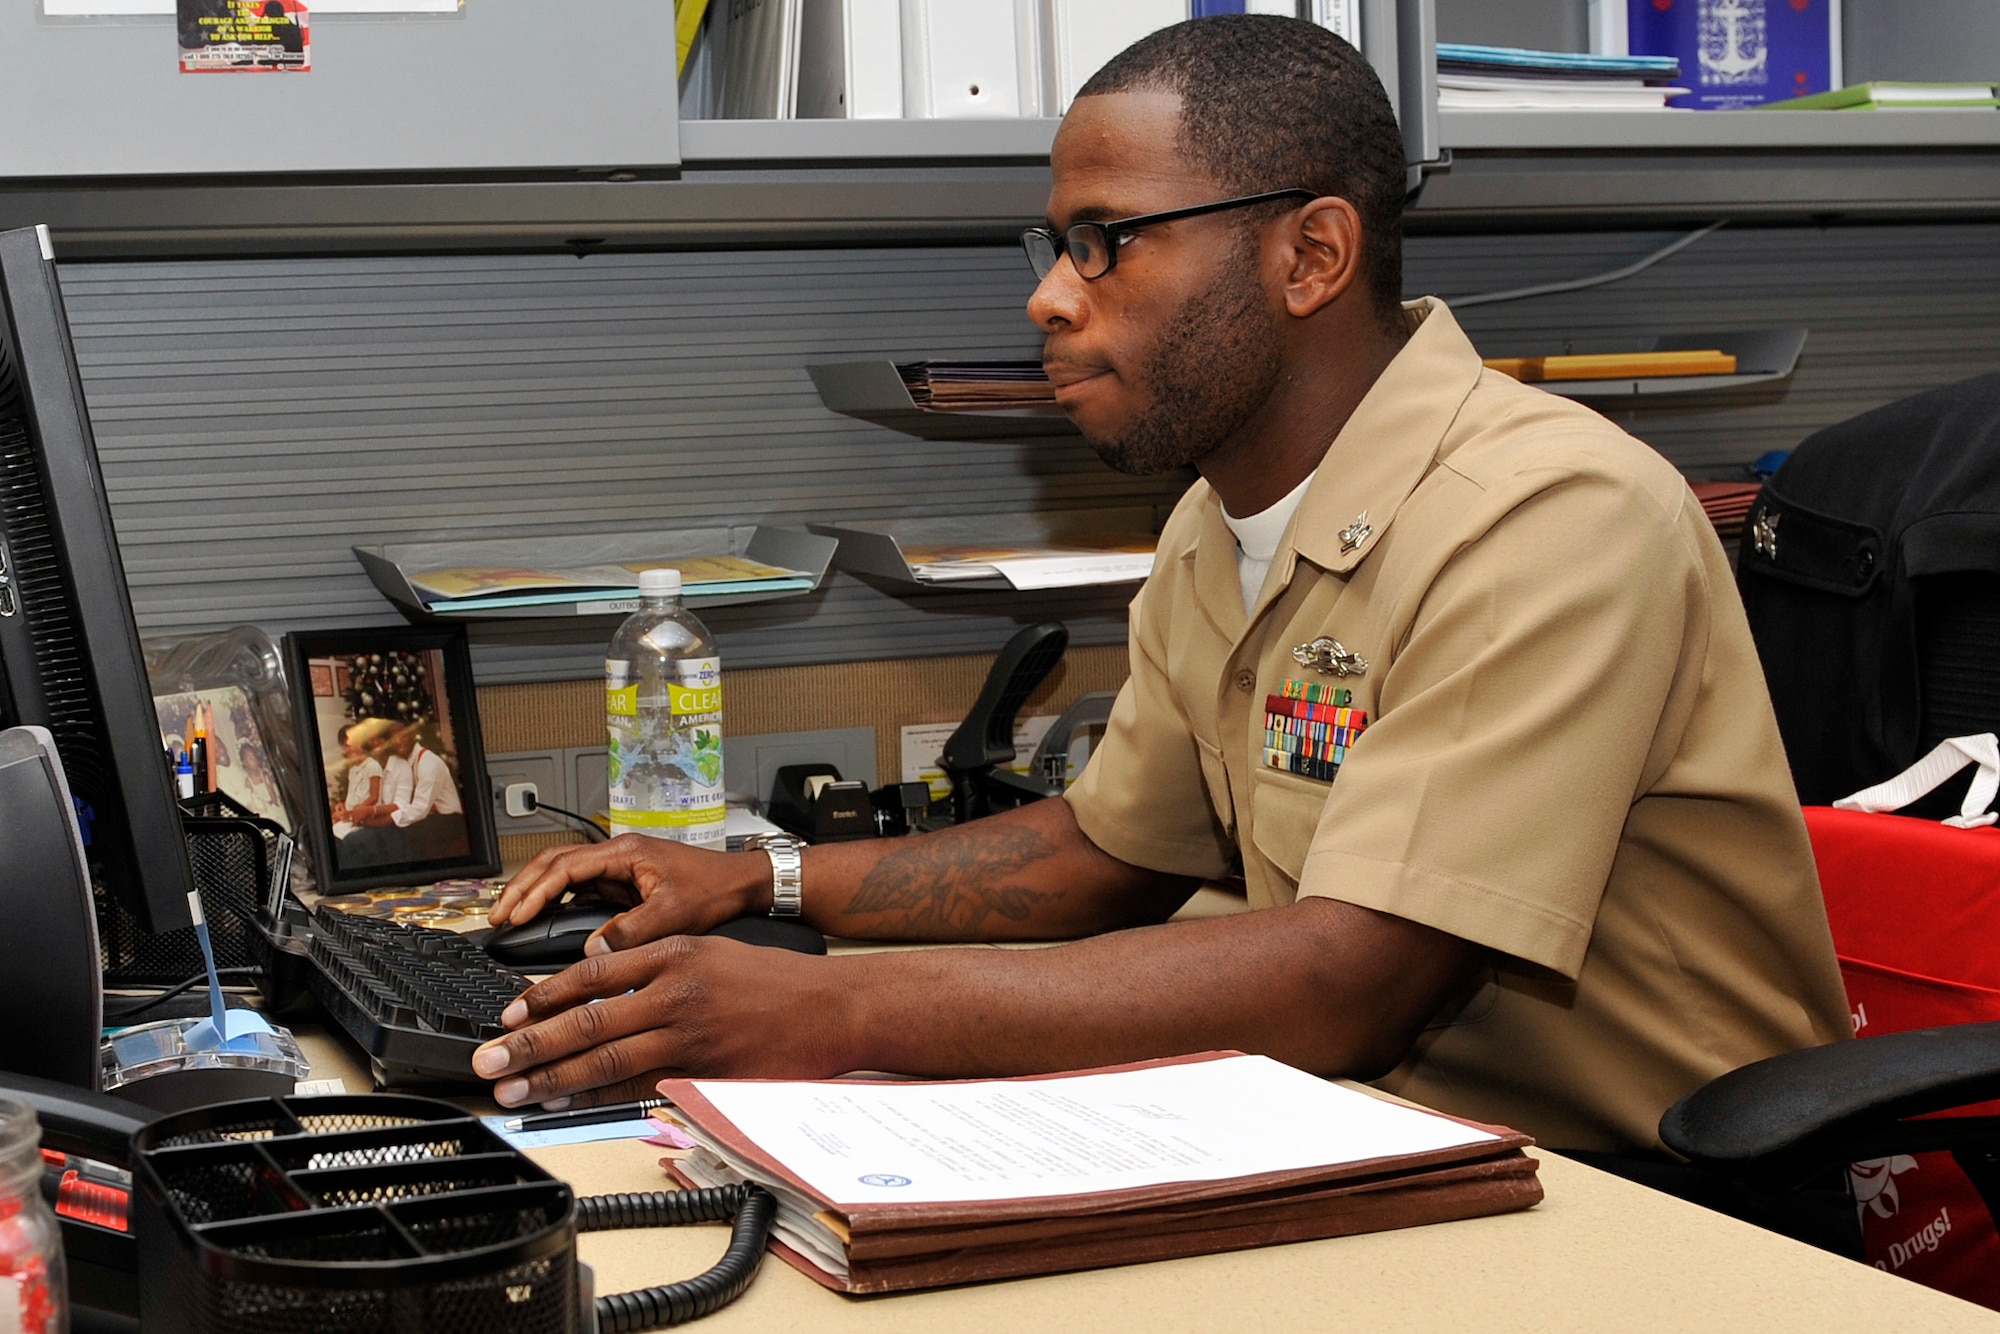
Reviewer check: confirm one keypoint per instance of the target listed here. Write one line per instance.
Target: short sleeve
(1148, 796)
(1516, 720)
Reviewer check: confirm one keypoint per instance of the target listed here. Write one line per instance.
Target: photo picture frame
(387, 728)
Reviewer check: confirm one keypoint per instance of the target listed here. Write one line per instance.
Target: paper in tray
(465, 587)
(594, 574)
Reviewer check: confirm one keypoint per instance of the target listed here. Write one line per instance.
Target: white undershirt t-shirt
(1257, 539)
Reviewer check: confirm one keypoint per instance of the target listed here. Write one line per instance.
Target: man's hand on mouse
(676, 889)
(679, 1006)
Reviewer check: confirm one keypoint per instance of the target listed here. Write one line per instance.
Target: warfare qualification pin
(1330, 656)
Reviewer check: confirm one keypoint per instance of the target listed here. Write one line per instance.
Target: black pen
(587, 1116)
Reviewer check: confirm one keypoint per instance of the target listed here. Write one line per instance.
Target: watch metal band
(787, 880)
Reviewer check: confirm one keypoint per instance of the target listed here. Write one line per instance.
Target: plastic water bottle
(663, 710)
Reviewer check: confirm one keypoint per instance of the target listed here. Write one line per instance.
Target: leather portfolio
(1462, 1170)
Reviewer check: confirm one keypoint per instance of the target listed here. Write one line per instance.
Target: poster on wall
(243, 36)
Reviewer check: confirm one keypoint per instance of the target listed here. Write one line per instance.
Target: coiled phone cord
(753, 1208)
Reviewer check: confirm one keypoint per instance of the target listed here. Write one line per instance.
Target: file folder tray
(873, 391)
(1762, 355)
(892, 551)
(800, 558)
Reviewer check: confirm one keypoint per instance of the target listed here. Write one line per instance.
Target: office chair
(1870, 572)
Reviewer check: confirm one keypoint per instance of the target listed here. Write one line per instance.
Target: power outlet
(543, 768)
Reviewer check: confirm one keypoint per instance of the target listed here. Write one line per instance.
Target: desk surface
(1597, 1254)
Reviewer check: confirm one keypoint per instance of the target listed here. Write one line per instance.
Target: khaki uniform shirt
(1570, 759)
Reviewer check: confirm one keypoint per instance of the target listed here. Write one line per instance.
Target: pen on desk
(587, 1116)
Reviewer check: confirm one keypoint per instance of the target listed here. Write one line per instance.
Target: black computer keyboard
(418, 1000)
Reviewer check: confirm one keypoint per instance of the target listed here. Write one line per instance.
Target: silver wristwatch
(787, 863)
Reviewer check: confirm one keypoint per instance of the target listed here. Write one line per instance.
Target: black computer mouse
(554, 939)
(551, 939)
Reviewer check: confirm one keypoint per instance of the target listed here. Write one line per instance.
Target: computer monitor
(70, 659)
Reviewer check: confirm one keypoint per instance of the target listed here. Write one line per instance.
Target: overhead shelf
(1748, 131)
(873, 391)
(720, 142)
(886, 552)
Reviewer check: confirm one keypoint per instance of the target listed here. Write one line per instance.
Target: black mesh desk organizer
(418, 1000)
(348, 1215)
(380, 1214)
(231, 852)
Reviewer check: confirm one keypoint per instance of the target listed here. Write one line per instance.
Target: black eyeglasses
(1093, 246)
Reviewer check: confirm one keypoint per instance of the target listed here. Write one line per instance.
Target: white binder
(761, 60)
(851, 59)
(1341, 17)
(962, 58)
(1080, 35)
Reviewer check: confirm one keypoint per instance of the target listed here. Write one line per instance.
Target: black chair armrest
(1790, 1115)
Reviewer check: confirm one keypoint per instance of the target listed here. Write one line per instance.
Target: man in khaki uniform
(1570, 760)
(1555, 877)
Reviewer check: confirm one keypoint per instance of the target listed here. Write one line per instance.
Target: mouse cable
(179, 988)
(535, 803)
(751, 1206)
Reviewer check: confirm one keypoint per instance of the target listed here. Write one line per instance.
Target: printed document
(926, 1143)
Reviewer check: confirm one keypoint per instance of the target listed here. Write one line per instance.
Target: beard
(1215, 364)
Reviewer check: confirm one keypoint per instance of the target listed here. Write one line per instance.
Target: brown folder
(896, 1247)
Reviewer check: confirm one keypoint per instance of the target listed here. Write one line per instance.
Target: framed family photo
(388, 739)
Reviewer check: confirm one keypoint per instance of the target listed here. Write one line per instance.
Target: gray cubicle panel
(257, 418)
(499, 86)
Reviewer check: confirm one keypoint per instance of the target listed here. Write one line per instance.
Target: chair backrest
(1870, 572)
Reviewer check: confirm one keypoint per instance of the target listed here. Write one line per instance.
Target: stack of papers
(884, 1187)
(1509, 78)
(1727, 505)
(1069, 565)
(468, 588)
(947, 386)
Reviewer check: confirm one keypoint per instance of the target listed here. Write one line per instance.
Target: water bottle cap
(659, 583)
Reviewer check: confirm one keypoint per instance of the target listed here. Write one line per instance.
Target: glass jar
(34, 1298)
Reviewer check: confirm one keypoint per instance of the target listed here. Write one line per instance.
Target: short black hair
(1268, 103)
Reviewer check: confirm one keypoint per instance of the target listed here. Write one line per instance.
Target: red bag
(1915, 911)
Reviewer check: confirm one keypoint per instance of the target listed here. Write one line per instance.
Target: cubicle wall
(257, 418)
(496, 86)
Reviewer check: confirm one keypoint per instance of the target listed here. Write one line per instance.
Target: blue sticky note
(240, 1030)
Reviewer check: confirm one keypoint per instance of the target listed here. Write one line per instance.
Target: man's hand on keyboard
(678, 1006)
(676, 889)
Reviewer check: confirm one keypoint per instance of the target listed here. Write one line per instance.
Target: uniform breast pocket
(1215, 776)
(1284, 812)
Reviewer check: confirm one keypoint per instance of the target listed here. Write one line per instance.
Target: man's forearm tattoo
(948, 886)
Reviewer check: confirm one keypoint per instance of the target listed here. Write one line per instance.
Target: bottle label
(665, 752)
